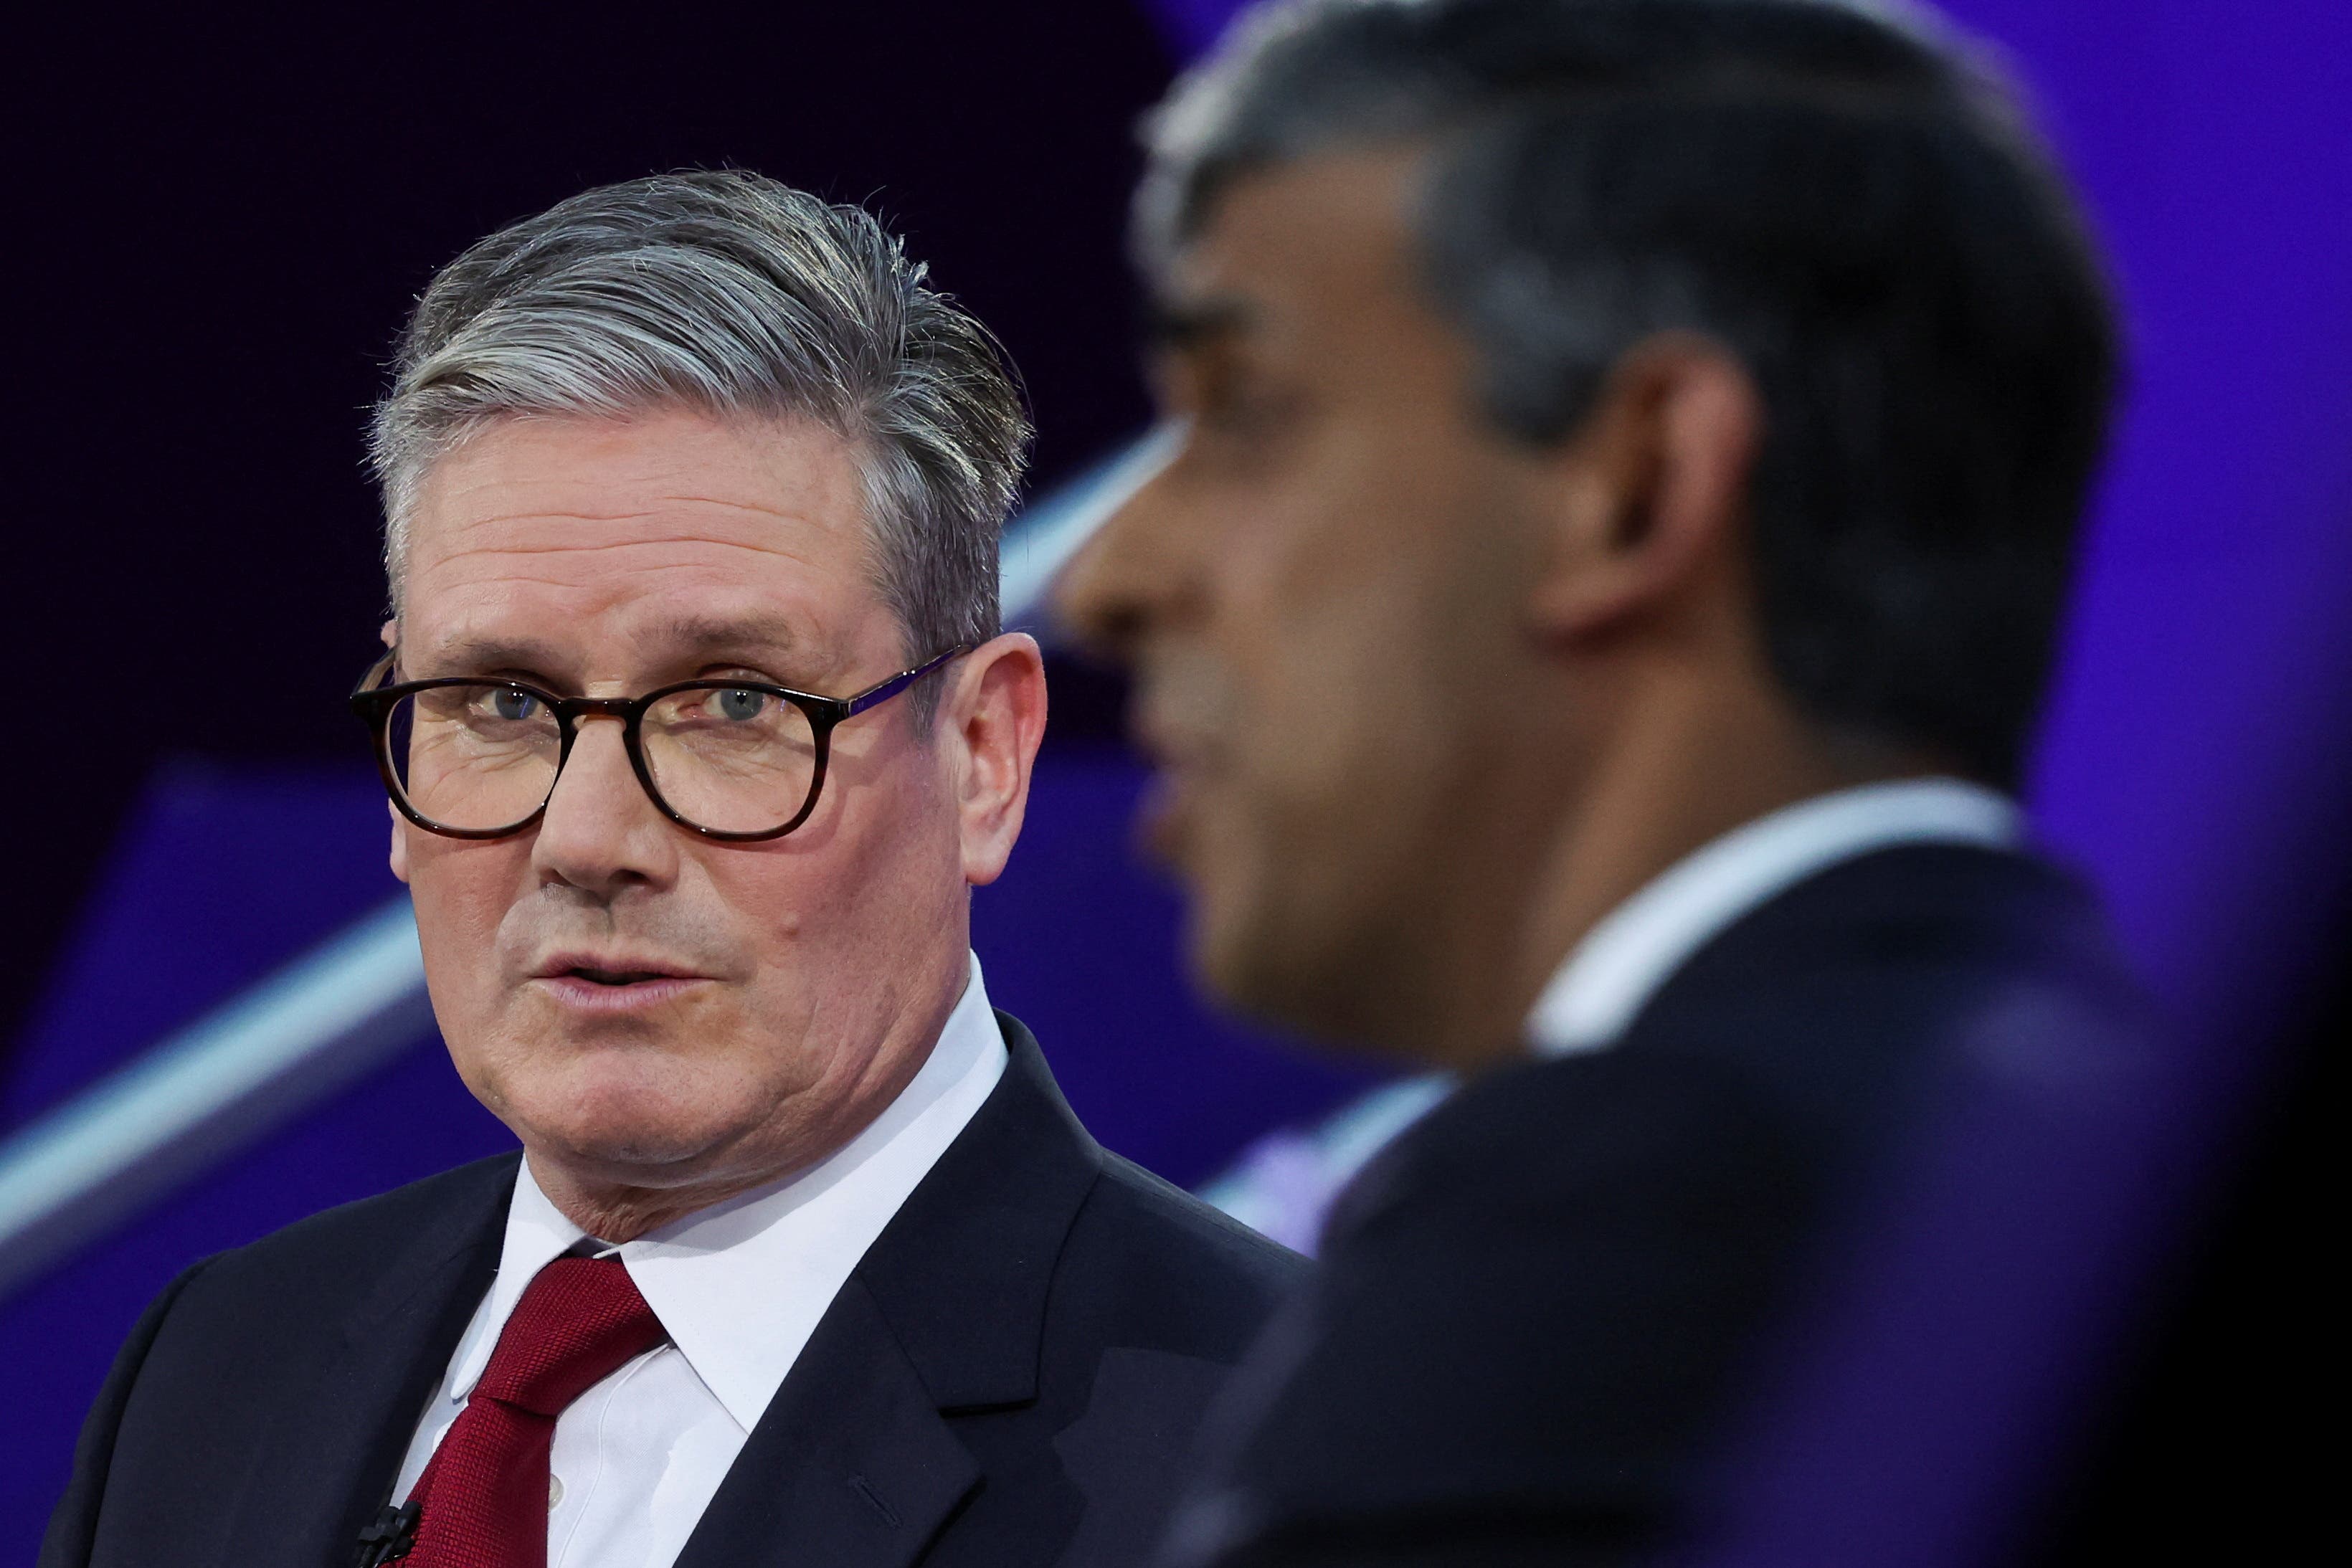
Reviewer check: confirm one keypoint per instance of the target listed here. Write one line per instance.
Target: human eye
(717, 712)
(1239, 416)
(507, 704)
(737, 705)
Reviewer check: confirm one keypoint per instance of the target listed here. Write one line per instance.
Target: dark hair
(1851, 206)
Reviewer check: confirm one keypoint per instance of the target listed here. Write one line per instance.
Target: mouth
(600, 984)
(1166, 818)
(596, 977)
(1170, 745)
(1181, 716)
(1180, 762)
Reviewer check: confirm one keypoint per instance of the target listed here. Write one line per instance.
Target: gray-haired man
(698, 727)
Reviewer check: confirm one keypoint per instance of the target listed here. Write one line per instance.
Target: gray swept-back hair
(726, 293)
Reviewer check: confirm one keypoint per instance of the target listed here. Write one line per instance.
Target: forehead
(1303, 254)
(568, 532)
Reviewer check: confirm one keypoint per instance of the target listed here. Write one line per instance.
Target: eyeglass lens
(481, 758)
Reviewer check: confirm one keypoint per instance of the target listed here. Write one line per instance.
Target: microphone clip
(389, 1538)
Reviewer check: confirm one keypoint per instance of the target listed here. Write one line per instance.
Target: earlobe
(399, 842)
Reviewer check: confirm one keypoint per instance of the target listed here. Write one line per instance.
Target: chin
(646, 1143)
(643, 1142)
(1304, 971)
(632, 1113)
(1257, 966)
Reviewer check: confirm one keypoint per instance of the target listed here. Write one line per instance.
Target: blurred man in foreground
(1631, 458)
(699, 726)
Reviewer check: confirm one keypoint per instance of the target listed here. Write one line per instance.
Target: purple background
(210, 519)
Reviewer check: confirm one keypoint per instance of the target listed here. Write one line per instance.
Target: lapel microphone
(388, 1539)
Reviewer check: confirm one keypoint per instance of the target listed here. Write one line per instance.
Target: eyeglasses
(733, 760)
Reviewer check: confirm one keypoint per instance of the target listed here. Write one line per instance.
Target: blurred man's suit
(1533, 1306)
(1017, 1391)
(1624, 469)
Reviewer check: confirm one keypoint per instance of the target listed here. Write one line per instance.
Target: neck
(616, 1212)
(1683, 758)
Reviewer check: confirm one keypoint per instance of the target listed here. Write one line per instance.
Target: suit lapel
(856, 1464)
(331, 1454)
(851, 1467)
(962, 1271)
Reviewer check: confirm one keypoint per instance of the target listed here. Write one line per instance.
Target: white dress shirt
(740, 1286)
(1594, 995)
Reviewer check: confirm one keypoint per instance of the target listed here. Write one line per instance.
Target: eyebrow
(1175, 324)
(706, 635)
(698, 639)
(470, 655)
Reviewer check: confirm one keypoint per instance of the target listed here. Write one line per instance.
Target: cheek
(1360, 655)
(462, 893)
(827, 912)
(1337, 691)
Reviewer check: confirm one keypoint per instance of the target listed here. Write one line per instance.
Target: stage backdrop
(2195, 755)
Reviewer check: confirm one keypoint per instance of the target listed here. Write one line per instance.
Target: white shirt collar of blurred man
(1285, 1185)
(1592, 997)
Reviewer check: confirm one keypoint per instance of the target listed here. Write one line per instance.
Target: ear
(391, 635)
(1651, 494)
(401, 837)
(399, 841)
(994, 718)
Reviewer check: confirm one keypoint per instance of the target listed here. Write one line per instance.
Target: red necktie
(484, 1495)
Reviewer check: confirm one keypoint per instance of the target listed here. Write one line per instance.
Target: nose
(602, 832)
(1128, 580)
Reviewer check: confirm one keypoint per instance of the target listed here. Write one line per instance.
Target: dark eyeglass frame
(375, 702)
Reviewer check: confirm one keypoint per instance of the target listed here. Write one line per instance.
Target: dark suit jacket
(1011, 1376)
(1538, 1307)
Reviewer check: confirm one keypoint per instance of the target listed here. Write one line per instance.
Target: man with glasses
(698, 727)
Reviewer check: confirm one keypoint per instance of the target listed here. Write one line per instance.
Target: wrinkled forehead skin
(669, 535)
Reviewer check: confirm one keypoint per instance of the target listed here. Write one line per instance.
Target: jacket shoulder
(351, 1241)
(1922, 928)
(1157, 1266)
(1841, 1004)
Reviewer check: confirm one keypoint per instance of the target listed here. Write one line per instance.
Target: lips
(586, 986)
(1165, 823)
(1171, 743)
(614, 970)
(618, 976)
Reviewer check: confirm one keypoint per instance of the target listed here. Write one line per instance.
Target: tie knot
(580, 1321)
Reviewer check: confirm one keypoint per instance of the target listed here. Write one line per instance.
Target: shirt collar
(1621, 962)
(741, 1285)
